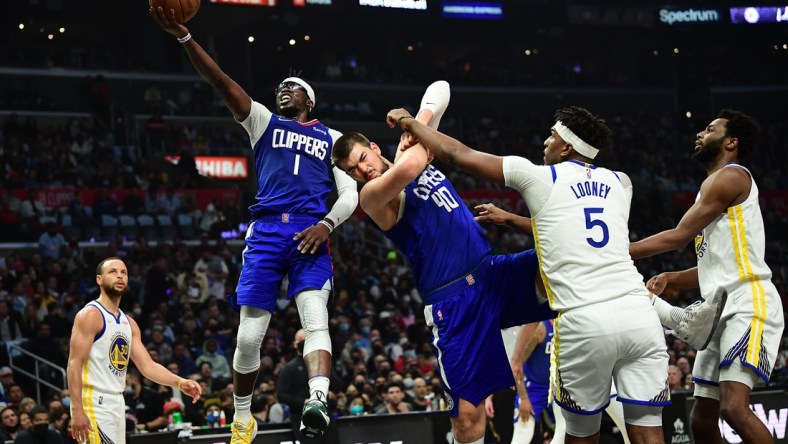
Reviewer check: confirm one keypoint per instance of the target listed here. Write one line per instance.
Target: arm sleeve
(533, 182)
(347, 192)
(257, 121)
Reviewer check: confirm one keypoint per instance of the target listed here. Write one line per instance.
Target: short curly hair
(586, 125)
(742, 127)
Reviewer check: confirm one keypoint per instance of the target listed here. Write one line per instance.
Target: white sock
(318, 384)
(669, 315)
(436, 99)
(243, 408)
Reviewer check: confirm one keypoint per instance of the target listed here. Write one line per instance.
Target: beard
(109, 290)
(708, 152)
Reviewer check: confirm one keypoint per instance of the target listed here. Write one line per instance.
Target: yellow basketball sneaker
(243, 433)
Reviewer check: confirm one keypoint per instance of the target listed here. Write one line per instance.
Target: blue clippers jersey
(537, 367)
(437, 232)
(293, 164)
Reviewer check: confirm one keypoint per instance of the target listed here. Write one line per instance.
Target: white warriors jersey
(731, 249)
(582, 237)
(105, 369)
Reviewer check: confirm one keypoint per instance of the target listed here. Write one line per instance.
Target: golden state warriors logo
(700, 248)
(119, 354)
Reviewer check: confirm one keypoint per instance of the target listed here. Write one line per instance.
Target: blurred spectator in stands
(147, 405)
(210, 216)
(675, 378)
(6, 381)
(30, 322)
(16, 395)
(394, 400)
(168, 202)
(9, 424)
(188, 175)
(159, 283)
(50, 242)
(32, 208)
(10, 330)
(159, 343)
(215, 269)
(46, 346)
(10, 222)
(212, 354)
(292, 387)
(105, 204)
(61, 327)
(183, 359)
(192, 287)
(80, 214)
(40, 431)
(156, 134)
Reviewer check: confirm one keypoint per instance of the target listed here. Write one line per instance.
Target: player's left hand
(192, 388)
(312, 238)
(490, 213)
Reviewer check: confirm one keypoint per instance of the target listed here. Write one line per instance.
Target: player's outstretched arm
(718, 192)
(674, 279)
(155, 371)
(490, 213)
(235, 98)
(87, 324)
(449, 149)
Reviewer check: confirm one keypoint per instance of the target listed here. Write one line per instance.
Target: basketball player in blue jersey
(469, 294)
(579, 221)
(727, 226)
(288, 232)
(103, 340)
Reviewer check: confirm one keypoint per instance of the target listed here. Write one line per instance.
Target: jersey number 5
(593, 223)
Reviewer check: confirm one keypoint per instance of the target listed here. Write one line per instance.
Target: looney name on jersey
(590, 188)
(283, 138)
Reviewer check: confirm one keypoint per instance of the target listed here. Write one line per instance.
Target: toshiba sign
(220, 167)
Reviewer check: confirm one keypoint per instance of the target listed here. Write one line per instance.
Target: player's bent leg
(735, 410)
(312, 308)
(704, 419)
(582, 428)
(644, 423)
(469, 425)
(695, 324)
(246, 363)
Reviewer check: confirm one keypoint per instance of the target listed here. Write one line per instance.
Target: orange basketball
(184, 9)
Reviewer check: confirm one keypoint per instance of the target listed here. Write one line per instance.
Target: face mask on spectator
(356, 409)
(408, 382)
(365, 330)
(137, 311)
(344, 326)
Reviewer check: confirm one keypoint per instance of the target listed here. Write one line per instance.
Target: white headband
(577, 143)
(309, 91)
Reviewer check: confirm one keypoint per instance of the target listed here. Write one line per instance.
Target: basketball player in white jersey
(730, 253)
(103, 340)
(607, 328)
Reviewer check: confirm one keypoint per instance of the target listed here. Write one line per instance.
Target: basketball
(184, 9)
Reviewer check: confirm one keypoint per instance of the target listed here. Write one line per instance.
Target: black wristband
(399, 121)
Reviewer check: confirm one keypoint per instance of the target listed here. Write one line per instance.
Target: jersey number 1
(594, 223)
(297, 161)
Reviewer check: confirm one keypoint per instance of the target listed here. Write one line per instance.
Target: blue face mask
(356, 409)
(344, 327)
(365, 330)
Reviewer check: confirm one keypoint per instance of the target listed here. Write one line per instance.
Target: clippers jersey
(105, 369)
(731, 249)
(292, 161)
(582, 238)
(537, 367)
(437, 232)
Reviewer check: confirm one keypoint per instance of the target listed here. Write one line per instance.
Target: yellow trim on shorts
(741, 251)
(538, 248)
(87, 405)
(555, 361)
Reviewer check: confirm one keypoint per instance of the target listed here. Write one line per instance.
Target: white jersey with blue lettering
(105, 369)
(580, 216)
(730, 252)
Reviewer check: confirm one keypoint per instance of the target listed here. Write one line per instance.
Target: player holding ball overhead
(288, 231)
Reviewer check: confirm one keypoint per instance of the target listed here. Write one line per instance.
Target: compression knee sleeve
(643, 415)
(254, 324)
(314, 319)
(581, 426)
